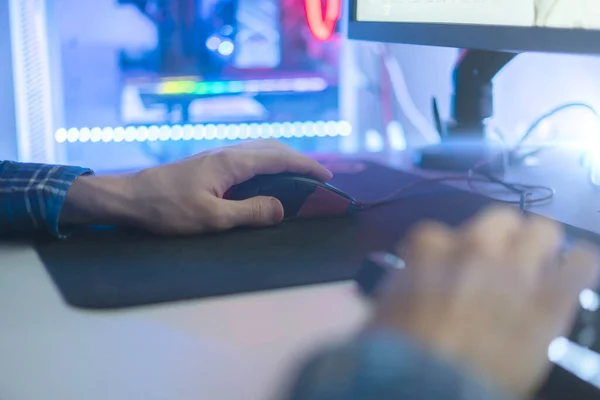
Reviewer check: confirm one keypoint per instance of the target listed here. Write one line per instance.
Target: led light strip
(179, 87)
(204, 132)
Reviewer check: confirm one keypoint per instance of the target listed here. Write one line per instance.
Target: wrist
(101, 200)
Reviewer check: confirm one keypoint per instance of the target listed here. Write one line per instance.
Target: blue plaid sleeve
(32, 195)
(385, 366)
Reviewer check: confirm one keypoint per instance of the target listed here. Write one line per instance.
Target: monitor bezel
(481, 37)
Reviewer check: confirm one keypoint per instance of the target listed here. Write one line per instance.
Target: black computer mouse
(301, 196)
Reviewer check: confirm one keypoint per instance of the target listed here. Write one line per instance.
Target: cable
(547, 115)
(526, 192)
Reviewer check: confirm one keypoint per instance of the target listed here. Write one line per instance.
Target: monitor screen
(512, 25)
(580, 14)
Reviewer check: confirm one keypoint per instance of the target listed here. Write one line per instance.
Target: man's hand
(186, 197)
(490, 296)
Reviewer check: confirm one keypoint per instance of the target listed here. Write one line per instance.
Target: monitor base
(461, 157)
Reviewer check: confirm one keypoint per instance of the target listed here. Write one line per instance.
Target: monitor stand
(464, 145)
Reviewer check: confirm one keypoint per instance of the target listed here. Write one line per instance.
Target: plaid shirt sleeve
(382, 365)
(32, 195)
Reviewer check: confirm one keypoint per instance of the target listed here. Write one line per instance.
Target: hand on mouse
(490, 296)
(186, 197)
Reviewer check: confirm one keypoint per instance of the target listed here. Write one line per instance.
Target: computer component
(301, 196)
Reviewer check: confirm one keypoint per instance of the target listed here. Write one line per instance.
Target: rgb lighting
(191, 87)
(153, 133)
(322, 25)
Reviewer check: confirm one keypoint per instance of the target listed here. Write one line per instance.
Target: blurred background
(124, 84)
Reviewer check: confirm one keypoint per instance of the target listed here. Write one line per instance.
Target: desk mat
(112, 268)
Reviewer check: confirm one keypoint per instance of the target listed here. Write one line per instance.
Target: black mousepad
(113, 268)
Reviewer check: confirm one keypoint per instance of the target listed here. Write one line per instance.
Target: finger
(536, 246)
(559, 295)
(429, 254)
(253, 212)
(579, 269)
(430, 243)
(492, 232)
(244, 164)
(264, 144)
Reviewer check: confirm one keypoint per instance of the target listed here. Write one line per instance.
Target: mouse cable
(527, 193)
(515, 157)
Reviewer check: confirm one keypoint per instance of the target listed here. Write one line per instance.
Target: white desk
(236, 347)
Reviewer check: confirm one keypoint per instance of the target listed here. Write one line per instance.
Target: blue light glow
(226, 48)
(153, 133)
(212, 43)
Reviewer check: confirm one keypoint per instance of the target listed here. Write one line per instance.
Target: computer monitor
(564, 26)
(494, 31)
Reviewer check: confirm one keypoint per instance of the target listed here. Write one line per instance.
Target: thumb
(256, 211)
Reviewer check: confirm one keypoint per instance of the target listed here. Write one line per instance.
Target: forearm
(100, 200)
(382, 367)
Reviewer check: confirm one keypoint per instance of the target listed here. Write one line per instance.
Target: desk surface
(236, 347)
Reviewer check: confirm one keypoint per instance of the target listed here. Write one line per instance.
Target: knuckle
(426, 236)
(224, 156)
(230, 160)
(272, 142)
(541, 225)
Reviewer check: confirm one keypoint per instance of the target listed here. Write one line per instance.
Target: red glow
(322, 26)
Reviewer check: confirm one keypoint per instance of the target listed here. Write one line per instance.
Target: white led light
(72, 135)
(287, 130)
(374, 141)
(85, 134)
(208, 132)
(226, 48)
(141, 135)
(320, 129)
(265, 130)
(107, 134)
(244, 131)
(211, 132)
(232, 132)
(188, 132)
(558, 349)
(213, 43)
(589, 300)
(221, 131)
(96, 135)
(130, 134)
(118, 134)
(396, 136)
(199, 132)
(164, 133)
(254, 131)
(153, 133)
(276, 130)
(176, 133)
